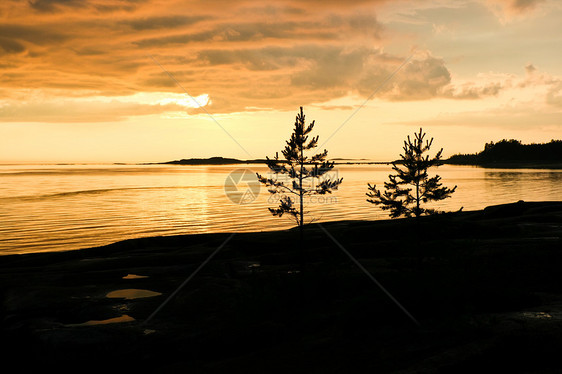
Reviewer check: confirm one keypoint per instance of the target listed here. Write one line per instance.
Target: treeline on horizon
(512, 151)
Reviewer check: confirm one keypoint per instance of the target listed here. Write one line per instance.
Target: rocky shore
(485, 287)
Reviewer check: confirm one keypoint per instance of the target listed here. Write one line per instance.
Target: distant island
(230, 161)
(512, 153)
(212, 161)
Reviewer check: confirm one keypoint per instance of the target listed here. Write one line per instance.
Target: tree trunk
(300, 190)
(301, 234)
(417, 191)
(301, 206)
(417, 199)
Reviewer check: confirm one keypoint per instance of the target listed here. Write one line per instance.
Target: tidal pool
(131, 294)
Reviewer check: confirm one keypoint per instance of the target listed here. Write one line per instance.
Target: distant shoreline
(511, 165)
(232, 161)
(229, 161)
(340, 161)
(513, 154)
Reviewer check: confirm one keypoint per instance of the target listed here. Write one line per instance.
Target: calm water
(53, 208)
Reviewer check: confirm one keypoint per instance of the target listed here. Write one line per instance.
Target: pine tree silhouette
(303, 175)
(411, 186)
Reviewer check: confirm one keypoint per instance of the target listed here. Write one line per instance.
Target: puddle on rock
(131, 294)
(134, 276)
(121, 308)
(537, 315)
(123, 318)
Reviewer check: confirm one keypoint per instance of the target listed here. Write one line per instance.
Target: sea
(68, 207)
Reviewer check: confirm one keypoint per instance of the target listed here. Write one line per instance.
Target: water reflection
(43, 209)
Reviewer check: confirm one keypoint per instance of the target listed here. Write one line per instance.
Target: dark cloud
(172, 40)
(421, 79)
(524, 4)
(530, 69)
(88, 51)
(8, 46)
(164, 22)
(54, 5)
(331, 28)
(331, 67)
(123, 5)
(274, 10)
(33, 34)
(244, 32)
(514, 7)
(267, 58)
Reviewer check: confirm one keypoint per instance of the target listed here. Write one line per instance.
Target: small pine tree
(302, 173)
(411, 186)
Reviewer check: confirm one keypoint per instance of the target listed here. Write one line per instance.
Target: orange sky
(87, 81)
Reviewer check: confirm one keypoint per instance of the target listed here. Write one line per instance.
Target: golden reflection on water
(46, 208)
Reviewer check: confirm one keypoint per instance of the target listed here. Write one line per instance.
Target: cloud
(422, 79)
(96, 109)
(56, 6)
(530, 69)
(472, 91)
(8, 45)
(283, 77)
(521, 5)
(531, 100)
(53, 5)
(332, 28)
(164, 22)
(509, 10)
(246, 56)
(32, 34)
(554, 95)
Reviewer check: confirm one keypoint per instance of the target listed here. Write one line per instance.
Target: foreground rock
(485, 287)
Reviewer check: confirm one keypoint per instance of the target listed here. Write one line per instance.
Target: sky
(150, 80)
